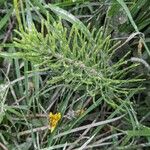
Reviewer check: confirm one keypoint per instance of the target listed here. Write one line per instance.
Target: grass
(68, 57)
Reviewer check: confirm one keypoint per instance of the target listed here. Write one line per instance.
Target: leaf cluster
(80, 63)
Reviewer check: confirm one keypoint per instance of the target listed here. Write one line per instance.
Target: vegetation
(75, 74)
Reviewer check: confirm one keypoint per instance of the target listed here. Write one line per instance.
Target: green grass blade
(69, 17)
(124, 6)
(4, 20)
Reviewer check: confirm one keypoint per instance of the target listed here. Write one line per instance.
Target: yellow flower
(53, 120)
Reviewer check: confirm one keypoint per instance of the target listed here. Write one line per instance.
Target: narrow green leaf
(4, 20)
(124, 6)
(16, 5)
(141, 132)
(69, 17)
